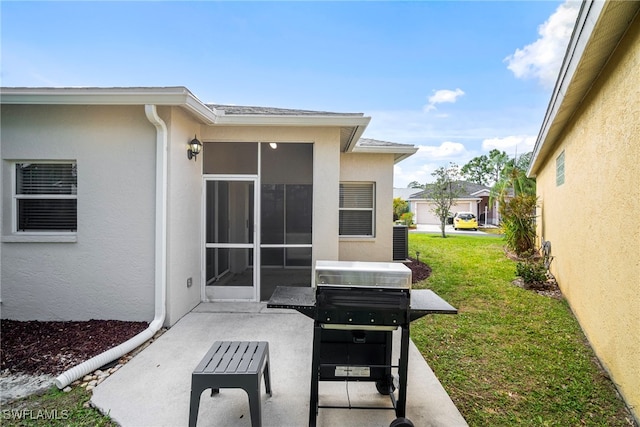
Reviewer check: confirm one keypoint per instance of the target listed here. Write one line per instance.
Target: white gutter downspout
(114, 353)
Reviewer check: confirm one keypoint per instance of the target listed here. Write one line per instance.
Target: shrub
(407, 218)
(399, 207)
(518, 223)
(532, 271)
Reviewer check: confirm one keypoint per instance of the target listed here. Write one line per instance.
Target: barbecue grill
(356, 306)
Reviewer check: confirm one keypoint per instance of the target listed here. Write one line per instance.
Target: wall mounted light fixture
(194, 149)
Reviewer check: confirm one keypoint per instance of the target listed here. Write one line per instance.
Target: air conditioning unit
(400, 242)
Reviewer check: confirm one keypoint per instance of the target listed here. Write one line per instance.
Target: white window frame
(38, 235)
(371, 209)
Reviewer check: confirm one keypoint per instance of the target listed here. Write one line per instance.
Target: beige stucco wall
(107, 272)
(377, 168)
(591, 220)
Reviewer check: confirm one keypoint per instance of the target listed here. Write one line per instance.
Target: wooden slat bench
(232, 364)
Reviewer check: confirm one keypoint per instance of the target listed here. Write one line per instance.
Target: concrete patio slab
(153, 389)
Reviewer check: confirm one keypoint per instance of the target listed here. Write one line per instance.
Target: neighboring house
(586, 163)
(472, 198)
(405, 193)
(106, 215)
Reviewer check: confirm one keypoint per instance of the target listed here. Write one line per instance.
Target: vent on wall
(400, 242)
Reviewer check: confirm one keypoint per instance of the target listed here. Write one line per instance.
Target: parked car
(450, 216)
(465, 220)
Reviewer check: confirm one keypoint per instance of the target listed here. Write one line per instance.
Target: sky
(454, 78)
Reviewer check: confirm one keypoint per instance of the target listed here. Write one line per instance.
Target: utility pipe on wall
(112, 354)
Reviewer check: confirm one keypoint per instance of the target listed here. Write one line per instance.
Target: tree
(478, 170)
(513, 179)
(498, 160)
(485, 170)
(415, 184)
(443, 192)
(524, 161)
(399, 207)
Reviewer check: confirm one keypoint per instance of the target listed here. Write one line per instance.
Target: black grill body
(342, 350)
(362, 306)
(355, 332)
(356, 307)
(353, 327)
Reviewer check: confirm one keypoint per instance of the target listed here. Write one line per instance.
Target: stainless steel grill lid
(362, 274)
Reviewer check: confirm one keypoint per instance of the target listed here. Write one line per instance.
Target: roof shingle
(271, 111)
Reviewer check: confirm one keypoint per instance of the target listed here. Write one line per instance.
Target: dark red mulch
(35, 347)
(419, 270)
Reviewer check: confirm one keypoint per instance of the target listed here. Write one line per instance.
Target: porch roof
(401, 151)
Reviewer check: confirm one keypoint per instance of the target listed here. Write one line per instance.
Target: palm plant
(518, 223)
(517, 201)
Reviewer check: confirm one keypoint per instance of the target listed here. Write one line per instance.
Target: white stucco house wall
(105, 216)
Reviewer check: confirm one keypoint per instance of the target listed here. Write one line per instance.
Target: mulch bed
(548, 288)
(419, 270)
(51, 348)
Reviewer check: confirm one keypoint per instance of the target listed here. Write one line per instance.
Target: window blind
(46, 195)
(356, 209)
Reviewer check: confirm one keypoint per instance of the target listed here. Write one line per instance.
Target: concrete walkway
(153, 389)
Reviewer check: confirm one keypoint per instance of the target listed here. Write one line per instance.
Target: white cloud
(446, 150)
(441, 96)
(421, 173)
(427, 159)
(402, 176)
(542, 59)
(522, 143)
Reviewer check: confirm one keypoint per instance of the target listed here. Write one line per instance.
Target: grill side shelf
(425, 301)
(303, 300)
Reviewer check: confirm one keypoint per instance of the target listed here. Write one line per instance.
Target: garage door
(464, 207)
(425, 215)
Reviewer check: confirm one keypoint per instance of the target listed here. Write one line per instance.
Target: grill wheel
(384, 387)
(401, 422)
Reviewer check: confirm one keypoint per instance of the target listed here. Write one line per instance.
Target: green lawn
(510, 356)
(54, 408)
